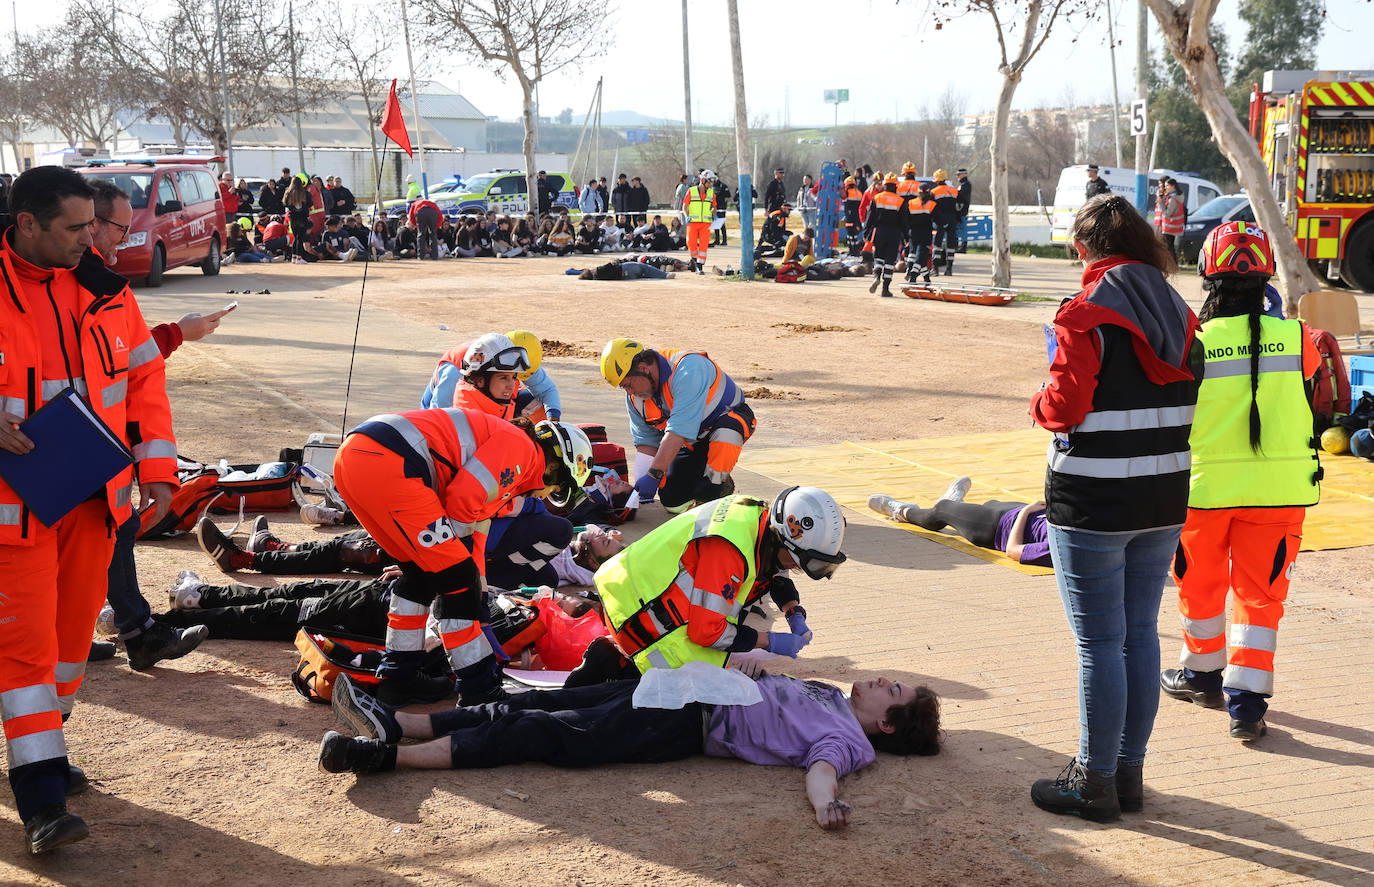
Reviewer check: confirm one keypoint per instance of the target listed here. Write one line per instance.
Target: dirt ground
(204, 768)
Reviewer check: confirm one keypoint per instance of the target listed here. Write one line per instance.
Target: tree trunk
(997, 151)
(1239, 147)
(746, 198)
(527, 145)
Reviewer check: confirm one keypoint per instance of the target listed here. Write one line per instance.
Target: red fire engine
(1316, 132)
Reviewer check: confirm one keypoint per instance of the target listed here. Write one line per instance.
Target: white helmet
(811, 527)
(571, 445)
(707, 175)
(494, 353)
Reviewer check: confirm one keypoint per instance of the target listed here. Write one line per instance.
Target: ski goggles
(509, 360)
(816, 564)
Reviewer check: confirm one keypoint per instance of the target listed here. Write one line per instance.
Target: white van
(1073, 180)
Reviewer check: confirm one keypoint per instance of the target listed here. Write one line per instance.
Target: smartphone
(231, 306)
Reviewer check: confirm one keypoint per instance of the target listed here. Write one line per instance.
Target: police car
(504, 190)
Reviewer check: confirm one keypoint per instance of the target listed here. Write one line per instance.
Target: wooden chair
(1337, 312)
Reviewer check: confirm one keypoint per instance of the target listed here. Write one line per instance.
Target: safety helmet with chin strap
(570, 446)
(494, 353)
(809, 524)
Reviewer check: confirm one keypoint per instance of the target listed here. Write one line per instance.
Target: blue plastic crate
(1361, 376)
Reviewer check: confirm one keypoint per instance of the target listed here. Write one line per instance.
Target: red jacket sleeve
(168, 337)
(1068, 397)
(717, 570)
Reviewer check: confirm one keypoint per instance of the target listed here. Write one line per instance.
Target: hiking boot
(887, 289)
(1248, 731)
(53, 827)
(1130, 788)
(362, 714)
(260, 538)
(949, 269)
(1174, 684)
(100, 651)
(185, 593)
(957, 489)
(161, 642)
(926, 276)
(76, 780)
(1077, 792)
(222, 550)
(884, 505)
(414, 689)
(348, 754)
(873, 287)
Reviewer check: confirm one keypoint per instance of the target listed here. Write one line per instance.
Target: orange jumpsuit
(61, 328)
(426, 484)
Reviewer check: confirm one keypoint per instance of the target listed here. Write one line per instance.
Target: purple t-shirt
(797, 723)
(1035, 546)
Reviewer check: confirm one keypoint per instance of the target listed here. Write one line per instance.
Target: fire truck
(1316, 132)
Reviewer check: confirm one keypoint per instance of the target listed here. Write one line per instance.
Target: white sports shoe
(884, 505)
(185, 592)
(105, 623)
(958, 489)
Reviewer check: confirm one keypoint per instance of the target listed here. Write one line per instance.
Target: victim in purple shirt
(1035, 546)
(797, 723)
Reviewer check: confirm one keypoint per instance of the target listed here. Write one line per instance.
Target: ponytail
(1233, 297)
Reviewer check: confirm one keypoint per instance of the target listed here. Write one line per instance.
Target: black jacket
(270, 201)
(547, 194)
(1095, 188)
(774, 197)
(344, 201)
(638, 199)
(620, 197)
(965, 198)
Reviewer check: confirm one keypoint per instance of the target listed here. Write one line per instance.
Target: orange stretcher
(971, 294)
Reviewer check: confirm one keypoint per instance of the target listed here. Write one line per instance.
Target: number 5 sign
(1138, 117)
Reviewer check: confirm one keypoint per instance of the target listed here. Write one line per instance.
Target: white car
(1073, 181)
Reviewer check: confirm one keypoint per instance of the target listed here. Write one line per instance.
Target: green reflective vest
(1226, 472)
(646, 594)
(701, 204)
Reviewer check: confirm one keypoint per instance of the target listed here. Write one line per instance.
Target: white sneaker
(297, 260)
(185, 592)
(957, 490)
(671, 275)
(227, 259)
(349, 256)
(105, 623)
(884, 505)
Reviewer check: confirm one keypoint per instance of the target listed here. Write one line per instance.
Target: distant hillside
(634, 118)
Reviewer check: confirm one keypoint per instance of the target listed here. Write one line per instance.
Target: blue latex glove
(797, 622)
(647, 488)
(554, 415)
(784, 643)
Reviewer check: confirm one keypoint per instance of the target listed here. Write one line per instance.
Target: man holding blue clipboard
(65, 323)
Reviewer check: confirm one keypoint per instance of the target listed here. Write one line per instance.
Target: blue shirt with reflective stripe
(542, 387)
(441, 395)
(690, 383)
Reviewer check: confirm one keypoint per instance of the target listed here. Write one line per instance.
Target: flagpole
(415, 103)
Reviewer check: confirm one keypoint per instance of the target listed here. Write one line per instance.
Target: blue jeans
(636, 270)
(132, 613)
(1111, 585)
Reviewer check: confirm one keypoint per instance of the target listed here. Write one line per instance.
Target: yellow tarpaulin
(1011, 467)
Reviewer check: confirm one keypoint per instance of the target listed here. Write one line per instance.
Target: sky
(890, 57)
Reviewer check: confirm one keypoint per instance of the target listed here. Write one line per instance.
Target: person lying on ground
(355, 551)
(806, 724)
(624, 270)
(1012, 527)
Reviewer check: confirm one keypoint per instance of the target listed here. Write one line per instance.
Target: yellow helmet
(891, 179)
(530, 342)
(939, 175)
(617, 358)
(849, 180)
(908, 167)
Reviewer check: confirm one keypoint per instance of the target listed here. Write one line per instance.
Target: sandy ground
(205, 768)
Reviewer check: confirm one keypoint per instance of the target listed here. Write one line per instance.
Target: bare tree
(175, 56)
(530, 39)
(72, 86)
(364, 53)
(1022, 28)
(13, 90)
(1186, 32)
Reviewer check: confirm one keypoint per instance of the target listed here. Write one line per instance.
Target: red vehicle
(178, 215)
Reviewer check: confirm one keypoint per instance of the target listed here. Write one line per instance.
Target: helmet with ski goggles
(494, 353)
(811, 528)
(571, 446)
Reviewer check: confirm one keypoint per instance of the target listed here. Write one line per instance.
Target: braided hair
(1234, 297)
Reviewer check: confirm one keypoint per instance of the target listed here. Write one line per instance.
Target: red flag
(393, 124)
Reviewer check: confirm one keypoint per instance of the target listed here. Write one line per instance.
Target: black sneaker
(260, 537)
(222, 550)
(100, 651)
(349, 754)
(1174, 684)
(53, 827)
(161, 642)
(1076, 792)
(493, 693)
(1130, 788)
(415, 689)
(362, 714)
(1248, 731)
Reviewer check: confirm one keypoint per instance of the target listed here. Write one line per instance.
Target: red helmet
(1237, 249)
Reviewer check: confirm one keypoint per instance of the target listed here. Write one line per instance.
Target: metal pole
(295, 95)
(224, 87)
(1116, 96)
(686, 96)
(415, 104)
(746, 200)
(925, 155)
(1142, 63)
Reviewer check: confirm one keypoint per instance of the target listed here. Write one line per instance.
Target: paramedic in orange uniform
(1254, 474)
(700, 207)
(688, 418)
(65, 322)
(426, 484)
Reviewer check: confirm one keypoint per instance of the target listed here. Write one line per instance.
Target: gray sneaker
(958, 489)
(362, 714)
(885, 505)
